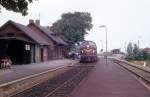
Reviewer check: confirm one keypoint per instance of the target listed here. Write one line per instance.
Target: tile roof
(146, 49)
(29, 32)
(51, 35)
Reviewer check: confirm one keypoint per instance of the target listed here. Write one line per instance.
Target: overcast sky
(126, 20)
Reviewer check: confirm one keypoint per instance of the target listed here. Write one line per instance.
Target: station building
(30, 44)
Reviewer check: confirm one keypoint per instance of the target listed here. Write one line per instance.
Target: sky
(126, 20)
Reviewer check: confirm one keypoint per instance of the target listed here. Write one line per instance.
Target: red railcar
(88, 51)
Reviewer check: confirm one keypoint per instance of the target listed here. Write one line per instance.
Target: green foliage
(146, 56)
(20, 6)
(130, 49)
(140, 56)
(135, 49)
(130, 58)
(135, 54)
(137, 58)
(73, 26)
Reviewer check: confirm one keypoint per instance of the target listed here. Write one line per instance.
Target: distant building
(147, 50)
(116, 51)
(29, 44)
(57, 46)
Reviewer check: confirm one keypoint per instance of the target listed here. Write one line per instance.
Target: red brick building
(146, 50)
(57, 45)
(29, 44)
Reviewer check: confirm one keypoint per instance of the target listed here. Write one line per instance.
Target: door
(42, 54)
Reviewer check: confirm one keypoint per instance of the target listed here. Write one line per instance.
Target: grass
(142, 63)
(148, 63)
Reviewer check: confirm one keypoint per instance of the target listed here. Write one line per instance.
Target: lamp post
(139, 37)
(101, 45)
(104, 26)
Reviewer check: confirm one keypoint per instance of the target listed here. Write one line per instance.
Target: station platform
(110, 80)
(21, 71)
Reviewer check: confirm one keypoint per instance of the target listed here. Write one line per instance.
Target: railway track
(60, 86)
(142, 74)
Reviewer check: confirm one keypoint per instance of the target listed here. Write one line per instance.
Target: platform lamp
(101, 46)
(104, 26)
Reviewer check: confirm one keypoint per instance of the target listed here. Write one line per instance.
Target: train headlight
(94, 51)
(82, 51)
(87, 46)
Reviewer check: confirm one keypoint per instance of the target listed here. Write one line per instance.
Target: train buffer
(110, 80)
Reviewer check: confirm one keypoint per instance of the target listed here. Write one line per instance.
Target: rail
(64, 89)
(144, 74)
(59, 86)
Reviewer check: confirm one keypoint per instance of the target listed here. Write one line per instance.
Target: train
(88, 51)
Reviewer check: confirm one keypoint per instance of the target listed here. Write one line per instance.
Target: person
(73, 55)
(6, 63)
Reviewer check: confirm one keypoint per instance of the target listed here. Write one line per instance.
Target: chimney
(31, 21)
(37, 22)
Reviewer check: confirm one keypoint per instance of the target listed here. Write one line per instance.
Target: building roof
(50, 34)
(29, 32)
(115, 50)
(17, 38)
(146, 49)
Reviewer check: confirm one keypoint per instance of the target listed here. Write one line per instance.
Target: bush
(139, 57)
(146, 56)
(130, 58)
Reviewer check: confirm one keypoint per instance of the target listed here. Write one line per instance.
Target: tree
(130, 49)
(73, 26)
(135, 49)
(20, 6)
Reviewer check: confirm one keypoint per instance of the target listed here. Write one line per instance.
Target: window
(27, 47)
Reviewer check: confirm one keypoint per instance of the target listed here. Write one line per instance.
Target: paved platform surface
(110, 80)
(20, 71)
